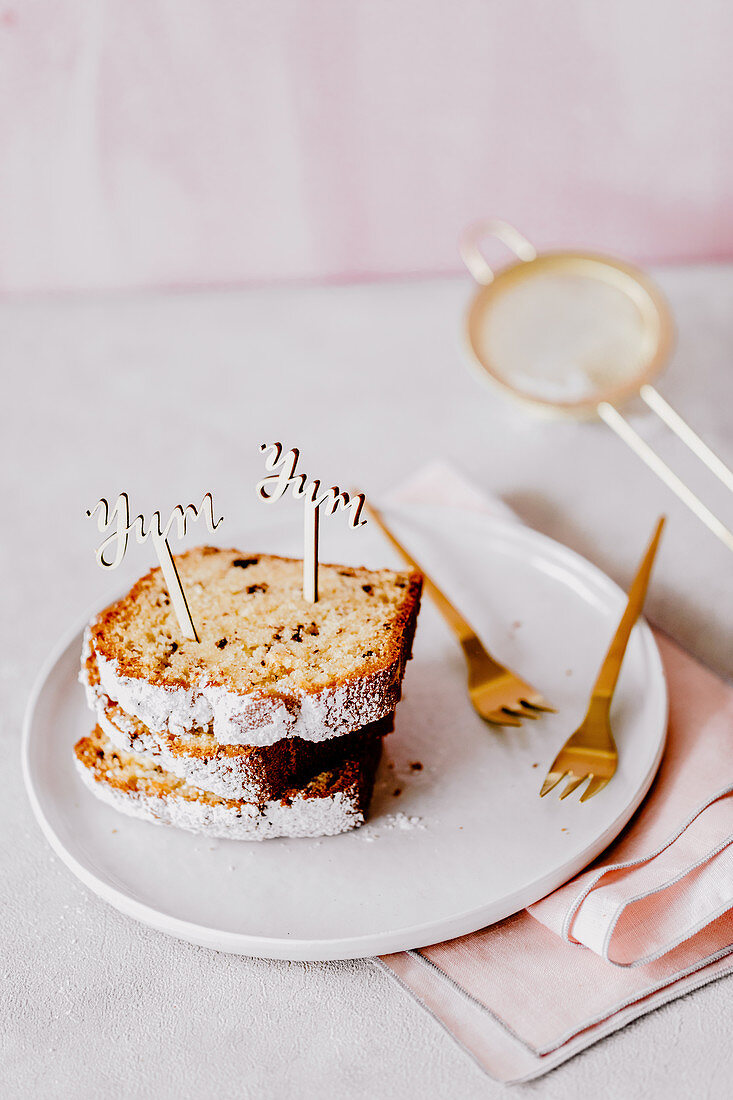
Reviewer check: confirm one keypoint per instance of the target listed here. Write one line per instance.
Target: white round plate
(465, 842)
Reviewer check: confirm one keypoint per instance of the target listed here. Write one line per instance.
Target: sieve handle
(473, 257)
(683, 431)
(640, 447)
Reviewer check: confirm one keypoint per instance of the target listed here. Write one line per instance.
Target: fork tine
(552, 779)
(536, 702)
(596, 784)
(502, 718)
(527, 711)
(573, 786)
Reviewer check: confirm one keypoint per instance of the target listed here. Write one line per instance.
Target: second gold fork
(591, 752)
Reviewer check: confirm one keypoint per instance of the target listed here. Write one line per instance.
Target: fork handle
(453, 617)
(611, 667)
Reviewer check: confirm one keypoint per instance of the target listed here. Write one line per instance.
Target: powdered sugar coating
(304, 817)
(253, 719)
(224, 776)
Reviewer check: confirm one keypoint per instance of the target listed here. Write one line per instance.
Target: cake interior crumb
(255, 628)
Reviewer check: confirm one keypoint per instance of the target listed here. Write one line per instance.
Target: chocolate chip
(369, 653)
(221, 643)
(367, 588)
(297, 635)
(312, 629)
(346, 572)
(244, 563)
(174, 647)
(252, 588)
(397, 792)
(416, 766)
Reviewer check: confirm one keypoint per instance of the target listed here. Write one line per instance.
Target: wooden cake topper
(111, 550)
(275, 485)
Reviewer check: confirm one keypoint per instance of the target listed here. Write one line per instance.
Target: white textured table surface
(168, 396)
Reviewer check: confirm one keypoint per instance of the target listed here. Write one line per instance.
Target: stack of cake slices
(272, 723)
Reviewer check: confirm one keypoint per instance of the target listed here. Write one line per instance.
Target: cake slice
(332, 802)
(245, 772)
(268, 665)
(248, 772)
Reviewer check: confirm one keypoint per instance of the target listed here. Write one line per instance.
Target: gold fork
(591, 752)
(498, 695)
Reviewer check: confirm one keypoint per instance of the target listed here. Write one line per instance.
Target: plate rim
(363, 946)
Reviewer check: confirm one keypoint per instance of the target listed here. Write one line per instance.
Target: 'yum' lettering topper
(275, 485)
(112, 549)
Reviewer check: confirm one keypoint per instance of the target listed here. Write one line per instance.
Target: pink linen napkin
(650, 920)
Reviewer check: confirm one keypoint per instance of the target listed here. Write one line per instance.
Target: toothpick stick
(274, 486)
(310, 554)
(174, 586)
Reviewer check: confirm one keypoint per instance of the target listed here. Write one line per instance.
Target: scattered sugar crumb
(516, 624)
(535, 765)
(568, 672)
(400, 820)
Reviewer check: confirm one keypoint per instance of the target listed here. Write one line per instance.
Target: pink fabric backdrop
(188, 141)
